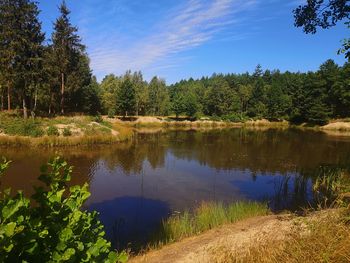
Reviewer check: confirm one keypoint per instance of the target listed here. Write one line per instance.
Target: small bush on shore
(52, 131)
(66, 132)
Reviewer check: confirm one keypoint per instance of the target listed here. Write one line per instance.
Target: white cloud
(184, 28)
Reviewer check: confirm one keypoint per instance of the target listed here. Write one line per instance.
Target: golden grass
(324, 240)
(124, 134)
(84, 129)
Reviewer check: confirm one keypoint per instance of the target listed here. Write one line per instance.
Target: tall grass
(325, 240)
(205, 217)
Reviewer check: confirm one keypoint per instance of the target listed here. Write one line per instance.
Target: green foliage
(66, 132)
(52, 131)
(56, 228)
(111, 113)
(98, 118)
(331, 186)
(126, 98)
(323, 14)
(19, 126)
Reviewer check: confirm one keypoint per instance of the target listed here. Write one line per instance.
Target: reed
(205, 217)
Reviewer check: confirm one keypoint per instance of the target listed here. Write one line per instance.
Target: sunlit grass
(205, 217)
(325, 240)
(81, 130)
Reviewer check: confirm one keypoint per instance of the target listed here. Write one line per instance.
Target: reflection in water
(130, 219)
(136, 184)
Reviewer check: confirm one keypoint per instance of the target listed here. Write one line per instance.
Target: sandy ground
(236, 238)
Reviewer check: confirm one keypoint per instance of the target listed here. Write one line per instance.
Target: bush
(98, 118)
(111, 113)
(52, 131)
(67, 132)
(56, 228)
(21, 127)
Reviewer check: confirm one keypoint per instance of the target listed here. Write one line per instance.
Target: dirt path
(237, 238)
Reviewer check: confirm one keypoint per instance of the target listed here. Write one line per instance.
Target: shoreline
(123, 130)
(242, 239)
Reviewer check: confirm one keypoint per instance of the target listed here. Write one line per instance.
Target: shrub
(98, 118)
(56, 228)
(52, 131)
(111, 113)
(19, 126)
(67, 132)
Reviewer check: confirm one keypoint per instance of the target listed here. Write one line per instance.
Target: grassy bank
(60, 131)
(205, 217)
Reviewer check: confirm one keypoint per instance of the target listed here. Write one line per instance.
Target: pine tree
(67, 50)
(24, 40)
(7, 46)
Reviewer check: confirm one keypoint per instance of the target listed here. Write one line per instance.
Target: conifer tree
(67, 50)
(22, 45)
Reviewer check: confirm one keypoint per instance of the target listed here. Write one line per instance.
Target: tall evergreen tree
(24, 40)
(67, 50)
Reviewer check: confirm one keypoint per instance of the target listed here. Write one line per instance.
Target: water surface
(135, 185)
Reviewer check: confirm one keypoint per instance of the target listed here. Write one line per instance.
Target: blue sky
(191, 38)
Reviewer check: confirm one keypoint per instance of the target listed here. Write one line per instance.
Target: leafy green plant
(52, 131)
(67, 132)
(98, 118)
(56, 228)
(111, 113)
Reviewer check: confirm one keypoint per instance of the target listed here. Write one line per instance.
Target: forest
(43, 76)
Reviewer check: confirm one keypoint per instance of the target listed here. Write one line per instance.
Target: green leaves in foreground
(55, 228)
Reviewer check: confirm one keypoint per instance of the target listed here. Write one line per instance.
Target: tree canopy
(323, 14)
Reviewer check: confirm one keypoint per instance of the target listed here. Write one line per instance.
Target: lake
(135, 185)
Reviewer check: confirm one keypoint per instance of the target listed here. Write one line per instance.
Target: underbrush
(19, 126)
(205, 217)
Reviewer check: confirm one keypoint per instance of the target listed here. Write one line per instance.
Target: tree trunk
(33, 109)
(25, 110)
(62, 93)
(50, 103)
(2, 101)
(8, 96)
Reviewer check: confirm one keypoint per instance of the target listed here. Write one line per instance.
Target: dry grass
(81, 130)
(324, 240)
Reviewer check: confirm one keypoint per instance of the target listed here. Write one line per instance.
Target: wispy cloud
(182, 28)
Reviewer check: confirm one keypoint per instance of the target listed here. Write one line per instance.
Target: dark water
(137, 184)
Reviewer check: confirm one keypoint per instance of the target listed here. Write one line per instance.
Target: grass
(324, 240)
(205, 217)
(59, 131)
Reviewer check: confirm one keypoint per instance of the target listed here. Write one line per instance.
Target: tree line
(312, 97)
(52, 76)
